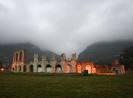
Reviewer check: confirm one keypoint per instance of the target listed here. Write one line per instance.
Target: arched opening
(20, 56)
(79, 70)
(68, 68)
(88, 67)
(31, 68)
(19, 68)
(24, 68)
(48, 68)
(15, 68)
(115, 70)
(39, 68)
(16, 57)
(58, 68)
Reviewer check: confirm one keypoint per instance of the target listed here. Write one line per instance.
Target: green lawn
(18, 85)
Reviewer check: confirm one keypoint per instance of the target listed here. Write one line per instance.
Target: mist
(65, 26)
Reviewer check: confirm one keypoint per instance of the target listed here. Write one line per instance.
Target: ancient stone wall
(52, 66)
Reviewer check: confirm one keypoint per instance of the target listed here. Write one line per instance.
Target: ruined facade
(89, 66)
(64, 65)
(18, 63)
(117, 68)
(52, 65)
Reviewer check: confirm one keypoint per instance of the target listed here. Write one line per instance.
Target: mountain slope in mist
(6, 52)
(104, 52)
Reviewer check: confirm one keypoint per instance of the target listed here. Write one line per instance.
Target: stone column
(42, 63)
(43, 67)
(63, 62)
(14, 57)
(18, 57)
(23, 56)
(35, 63)
(27, 68)
(73, 62)
(34, 67)
(17, 68)
(22, 68)
(63, 65)
(53, 64)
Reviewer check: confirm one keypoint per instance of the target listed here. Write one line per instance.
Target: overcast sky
(65, 25)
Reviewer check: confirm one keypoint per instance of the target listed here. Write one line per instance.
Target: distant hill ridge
(6, 52)
(104, 52)
(101, 52)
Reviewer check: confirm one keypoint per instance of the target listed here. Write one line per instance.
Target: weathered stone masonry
(52, 66)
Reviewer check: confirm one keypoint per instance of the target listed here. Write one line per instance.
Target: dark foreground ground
(18, 85)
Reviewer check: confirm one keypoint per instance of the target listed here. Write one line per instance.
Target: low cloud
(65, 25)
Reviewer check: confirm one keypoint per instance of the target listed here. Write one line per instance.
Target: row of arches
(18, 56)
(30, 68)
(89, 68)
(20, 68)
(47, 69)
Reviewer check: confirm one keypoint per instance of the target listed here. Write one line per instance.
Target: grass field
(18, 85)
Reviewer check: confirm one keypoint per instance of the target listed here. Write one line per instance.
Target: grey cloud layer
(65, 25)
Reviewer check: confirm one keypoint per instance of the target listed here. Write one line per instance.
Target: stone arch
(31, 68)
(68, 68)
(88, 68)
(21, 55)
(15, 68)
(24, 68)
(39, 68)
(79, 69)
(49, 68)
(16, 56)
(58, 68)
(19, 68)
(116, 70)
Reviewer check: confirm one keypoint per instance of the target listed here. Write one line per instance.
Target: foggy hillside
(6, 52)
(104, 52)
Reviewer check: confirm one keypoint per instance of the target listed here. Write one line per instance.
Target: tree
(1, 64)
(126, 57)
